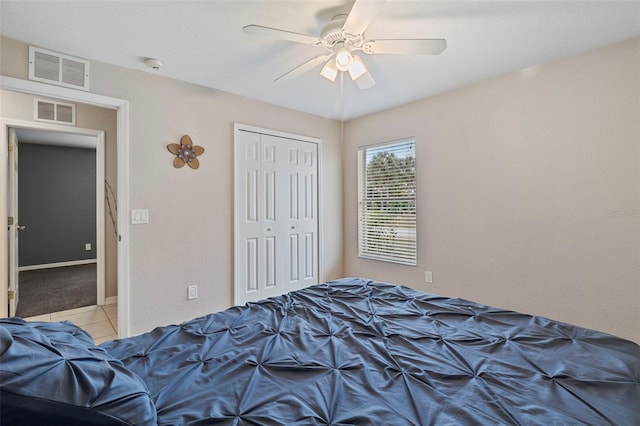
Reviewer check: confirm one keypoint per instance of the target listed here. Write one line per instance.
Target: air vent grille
(72, 72)
(65, 114)
(63, 70)
(55, 112)
(45, 111)
(46, 66)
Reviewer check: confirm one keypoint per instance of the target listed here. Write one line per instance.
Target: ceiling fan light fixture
(357, 68)
(343, 58)
(329, 71)
(365, 81)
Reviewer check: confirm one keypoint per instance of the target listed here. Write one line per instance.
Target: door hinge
(12, 294)
(10, 146)
(10, 220)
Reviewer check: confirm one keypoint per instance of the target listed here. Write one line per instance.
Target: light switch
(139, 216)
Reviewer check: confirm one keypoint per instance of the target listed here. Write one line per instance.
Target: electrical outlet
(87, 247)
(428, 277)
(192, 292)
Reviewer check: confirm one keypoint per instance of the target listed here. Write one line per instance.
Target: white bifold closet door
(276, 215)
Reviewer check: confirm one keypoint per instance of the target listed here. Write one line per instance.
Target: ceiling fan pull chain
(342, 100)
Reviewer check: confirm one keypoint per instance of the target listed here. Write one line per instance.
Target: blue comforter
(359, 352)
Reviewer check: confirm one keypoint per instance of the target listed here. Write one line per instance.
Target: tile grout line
(49, 318)
(115, 331)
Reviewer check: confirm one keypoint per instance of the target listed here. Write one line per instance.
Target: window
(387, 202)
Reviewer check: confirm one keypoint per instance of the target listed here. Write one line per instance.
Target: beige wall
(189, 239)
(528, 188)
(20, 106)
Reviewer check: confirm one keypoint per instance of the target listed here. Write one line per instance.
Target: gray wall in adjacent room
(56, 203)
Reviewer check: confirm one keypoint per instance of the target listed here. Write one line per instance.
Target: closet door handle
(269, 229)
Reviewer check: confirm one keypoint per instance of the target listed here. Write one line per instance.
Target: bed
(348, 352)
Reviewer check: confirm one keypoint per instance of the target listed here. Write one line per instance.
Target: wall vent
(55, 68)
(56, 112)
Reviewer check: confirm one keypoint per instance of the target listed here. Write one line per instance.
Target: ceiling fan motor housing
(332, 32)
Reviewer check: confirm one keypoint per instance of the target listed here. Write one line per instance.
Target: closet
(276, 213)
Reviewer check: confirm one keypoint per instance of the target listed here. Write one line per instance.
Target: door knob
(268, 229)
(20, 227)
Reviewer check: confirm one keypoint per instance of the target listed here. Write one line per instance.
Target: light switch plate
(139, 216)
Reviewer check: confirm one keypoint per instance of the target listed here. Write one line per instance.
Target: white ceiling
(202, 42)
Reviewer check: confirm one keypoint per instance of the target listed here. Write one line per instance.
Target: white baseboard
(57, 265)
(111, 300)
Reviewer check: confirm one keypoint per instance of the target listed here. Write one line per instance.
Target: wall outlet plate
(428, 277)
(192, 292)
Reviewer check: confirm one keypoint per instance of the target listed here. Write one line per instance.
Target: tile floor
(99, 321)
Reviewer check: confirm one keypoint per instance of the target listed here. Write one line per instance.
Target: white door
(14, 227)
(276, 247)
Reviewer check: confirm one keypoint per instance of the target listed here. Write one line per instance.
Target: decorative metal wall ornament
(186, 153)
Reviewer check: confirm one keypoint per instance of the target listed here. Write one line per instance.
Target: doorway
(56, 206)
(121, 107)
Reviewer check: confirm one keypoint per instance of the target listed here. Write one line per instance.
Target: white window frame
(396, 239)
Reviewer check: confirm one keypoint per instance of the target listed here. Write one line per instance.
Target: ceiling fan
(344, 36)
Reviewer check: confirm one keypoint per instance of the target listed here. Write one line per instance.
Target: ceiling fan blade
(365, 81)
(280, 34)
(405, 47)
(361, 15)
(307, 66)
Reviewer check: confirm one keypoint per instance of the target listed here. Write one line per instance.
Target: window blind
(387, 202)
